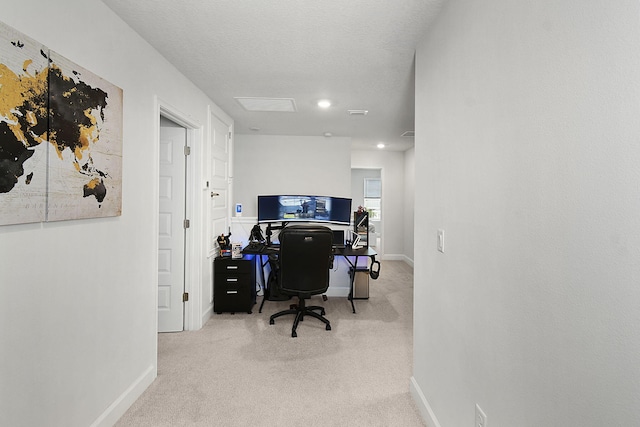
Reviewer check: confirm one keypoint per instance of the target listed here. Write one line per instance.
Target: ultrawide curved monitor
(286, 208)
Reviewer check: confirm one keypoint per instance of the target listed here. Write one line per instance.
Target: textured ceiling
(357, 53)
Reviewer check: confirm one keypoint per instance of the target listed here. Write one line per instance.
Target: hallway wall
(78, 298)
(527, 156)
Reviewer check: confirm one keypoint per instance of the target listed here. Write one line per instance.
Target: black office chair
(305, 258)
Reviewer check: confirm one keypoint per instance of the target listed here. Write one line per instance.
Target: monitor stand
(270, 228)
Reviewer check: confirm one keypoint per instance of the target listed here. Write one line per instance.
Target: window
(373, 197)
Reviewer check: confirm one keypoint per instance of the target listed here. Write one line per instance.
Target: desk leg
(264, 284)
(351, 281)
(353, 307)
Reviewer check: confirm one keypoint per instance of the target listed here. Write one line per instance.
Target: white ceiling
(357, 53)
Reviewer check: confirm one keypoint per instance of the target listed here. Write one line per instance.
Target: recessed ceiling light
(328, 134)
(358, 112)
(324, 103)
(380, 145)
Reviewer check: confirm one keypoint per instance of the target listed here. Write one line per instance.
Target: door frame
(192, 280)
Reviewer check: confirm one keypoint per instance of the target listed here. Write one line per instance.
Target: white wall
(278, 164)
(78, 298)
(528, 156)
(391, 164)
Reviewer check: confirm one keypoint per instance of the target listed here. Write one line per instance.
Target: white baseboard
(397, 257)
(424, 407)
(206, 315)
(409, 261)
(117, 409)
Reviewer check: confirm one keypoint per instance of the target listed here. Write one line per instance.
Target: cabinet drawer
(231, 279)
(233, 266)
(232, 294)
(233, 300)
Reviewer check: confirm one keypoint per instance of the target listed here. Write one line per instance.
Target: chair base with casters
(301, 310)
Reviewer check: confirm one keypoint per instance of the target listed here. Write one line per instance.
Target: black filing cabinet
(234, 284)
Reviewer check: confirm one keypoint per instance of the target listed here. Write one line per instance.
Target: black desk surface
(348, 251)
(262, 249)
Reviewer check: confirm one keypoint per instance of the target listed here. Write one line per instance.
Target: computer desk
(350, 255)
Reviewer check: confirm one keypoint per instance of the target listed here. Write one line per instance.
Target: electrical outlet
(441, 240)
(481, 417)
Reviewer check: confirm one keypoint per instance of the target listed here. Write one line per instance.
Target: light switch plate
(441, 240)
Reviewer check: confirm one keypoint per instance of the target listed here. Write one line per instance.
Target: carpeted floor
(240, 371)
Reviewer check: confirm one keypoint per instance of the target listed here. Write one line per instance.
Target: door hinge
(185, 297)
(187, 150)
(187, 223)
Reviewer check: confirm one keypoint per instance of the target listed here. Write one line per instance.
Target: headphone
(374, 273)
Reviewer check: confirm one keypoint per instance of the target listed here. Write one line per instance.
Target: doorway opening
(366, 191)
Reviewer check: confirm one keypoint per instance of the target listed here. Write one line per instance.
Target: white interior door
(219, 202)
(171, 229)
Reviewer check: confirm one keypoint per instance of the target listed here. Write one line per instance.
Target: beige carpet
(240, 371)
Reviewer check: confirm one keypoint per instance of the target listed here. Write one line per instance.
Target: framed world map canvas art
(60, 136)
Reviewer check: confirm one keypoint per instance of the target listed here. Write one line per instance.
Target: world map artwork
(60, 136)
